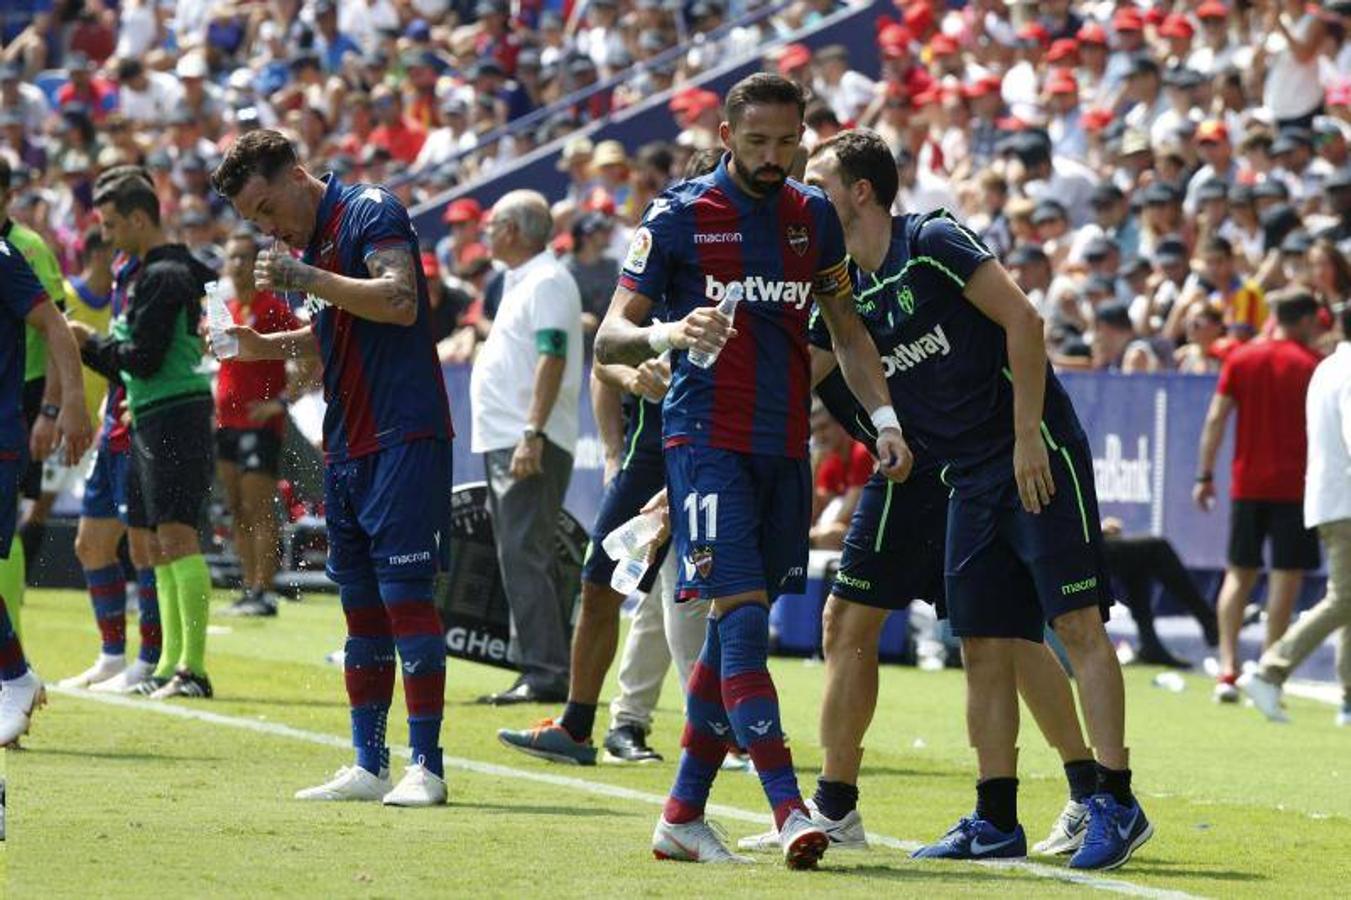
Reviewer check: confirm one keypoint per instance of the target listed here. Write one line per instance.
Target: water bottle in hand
(727, 306)
(218, 319)
(631, 539)
(628, 574)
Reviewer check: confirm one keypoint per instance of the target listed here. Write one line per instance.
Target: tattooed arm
(389, 295)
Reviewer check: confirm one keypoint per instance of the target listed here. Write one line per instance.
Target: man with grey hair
(524, 392)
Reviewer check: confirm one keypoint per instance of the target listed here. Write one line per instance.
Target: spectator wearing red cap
(1092, 53)
(795, 63)
(464, 220)
(1177, 30)
(920, 21)
(845, 91)
(1214, 147)
(1128, 39)
(945, 56)
(1292, 89)
(1216, 51)
(1066, 129)
(983, 99)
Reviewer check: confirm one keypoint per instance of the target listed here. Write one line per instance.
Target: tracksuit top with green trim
(154, 346)
(45, 265)
(945, 361)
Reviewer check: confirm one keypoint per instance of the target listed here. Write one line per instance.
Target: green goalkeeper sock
(12, 583)
(171, 631)
(194, 599)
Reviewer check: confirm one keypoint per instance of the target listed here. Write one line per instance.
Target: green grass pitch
(121, 801)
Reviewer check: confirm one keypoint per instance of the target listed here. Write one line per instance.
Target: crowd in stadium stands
(1151, 173)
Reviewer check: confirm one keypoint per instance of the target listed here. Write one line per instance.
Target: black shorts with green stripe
(893, 552)
(1010, 572)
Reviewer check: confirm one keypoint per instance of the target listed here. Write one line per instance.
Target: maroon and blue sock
(752, 705)
(148, 599)
(12, 663)
(704, 741)
(421, 640)
(368, 670)
(108, 594)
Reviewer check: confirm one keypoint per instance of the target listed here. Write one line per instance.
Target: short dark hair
(864, 156)
(129, 194)
(1293, 305)
(108, 176)
(262, 152)
(762, 88)
(1219, 244)
(701, 162)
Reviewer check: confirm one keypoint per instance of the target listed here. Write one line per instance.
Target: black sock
(1116, 782)
(835, 799)
(578, 720)
(1082, 775)
(997, 802)
(31, 536)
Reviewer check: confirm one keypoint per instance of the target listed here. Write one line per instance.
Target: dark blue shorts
(739, 521)
(388, 515)
(893, 552)
(12, 469)
(1009, 572)
(625, 496)
(105, 490)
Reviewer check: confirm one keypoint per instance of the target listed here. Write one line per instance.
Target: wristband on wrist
(1205, 478)
(659, 337)
(885, 417)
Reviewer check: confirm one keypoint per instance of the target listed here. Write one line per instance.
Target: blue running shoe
(973, 838)
(551, 741)
(1114, 833)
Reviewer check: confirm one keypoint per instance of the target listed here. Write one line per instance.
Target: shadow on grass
(571, 812)
(134, 756)
(1182, 871)
(920, 872)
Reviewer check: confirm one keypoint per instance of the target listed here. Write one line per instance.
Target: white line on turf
(276, 729)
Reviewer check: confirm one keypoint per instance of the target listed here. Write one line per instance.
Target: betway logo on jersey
(755, 289)
(906, 356)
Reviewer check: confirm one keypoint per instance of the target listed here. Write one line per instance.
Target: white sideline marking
(276, 729)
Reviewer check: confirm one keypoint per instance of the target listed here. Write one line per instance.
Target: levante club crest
(798, 239)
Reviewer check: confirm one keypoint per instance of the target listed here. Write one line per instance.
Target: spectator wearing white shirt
(845, 91)
(1327, 507)
(921, 191)
(524, 392)
(1216, 52)
(1292, 91)
(146, 97)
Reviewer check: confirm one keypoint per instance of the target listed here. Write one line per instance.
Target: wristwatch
(531, 432)
(50, 410)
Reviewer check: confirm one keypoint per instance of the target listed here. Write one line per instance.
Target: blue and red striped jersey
(116, 433)
(382, 382)
(20, 293)
(696, 239)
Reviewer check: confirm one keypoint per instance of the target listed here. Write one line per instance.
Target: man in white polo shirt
(524, 391)
(1327, 507)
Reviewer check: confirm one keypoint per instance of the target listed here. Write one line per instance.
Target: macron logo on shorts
(403, 559)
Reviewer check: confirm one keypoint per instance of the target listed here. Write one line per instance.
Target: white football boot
(19, 699)
(844, 834)
(419, 786)
(104, 668)
(1067, 834)
(698, 841)
(350, 783)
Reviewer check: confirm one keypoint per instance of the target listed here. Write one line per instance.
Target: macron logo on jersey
(723, 237)
(906, 356)
(755, 289)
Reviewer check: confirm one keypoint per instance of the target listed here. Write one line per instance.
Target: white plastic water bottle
(727, 306)
(631, 539)
(628, 574)
(218, 319)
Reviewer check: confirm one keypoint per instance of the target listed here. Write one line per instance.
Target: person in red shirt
(843, 466)
(250, 426)
(84, 87)
(1265, 382)
(398, 134)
